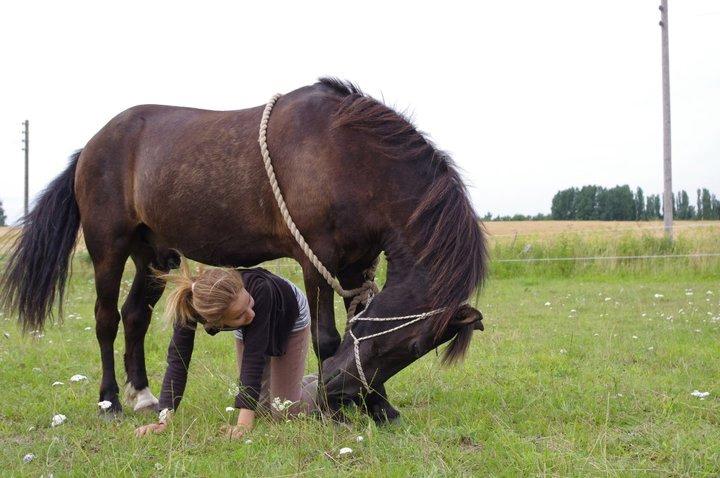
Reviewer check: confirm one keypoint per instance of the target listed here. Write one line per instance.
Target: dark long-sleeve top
(276, 310)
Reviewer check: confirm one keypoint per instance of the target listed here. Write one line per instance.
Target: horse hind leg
(137, 310)
(108, 262)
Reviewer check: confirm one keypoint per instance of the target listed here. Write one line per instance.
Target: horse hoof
(143, 406)
(141, 400)
(387, 417)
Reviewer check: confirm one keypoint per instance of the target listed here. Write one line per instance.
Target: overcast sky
(529, 97)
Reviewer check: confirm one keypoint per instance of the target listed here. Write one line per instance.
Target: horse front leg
(325, 337)
(377, 406)
(375, 402)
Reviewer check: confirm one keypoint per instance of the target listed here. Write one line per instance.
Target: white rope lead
(361, 294)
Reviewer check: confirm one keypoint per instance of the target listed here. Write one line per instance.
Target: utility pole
(26, 148)
(667, 164)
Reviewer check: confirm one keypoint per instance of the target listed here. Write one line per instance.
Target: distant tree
(602, 206)
(3, 217)
(563, 205)
(699, 204)
(586, 203)
(621, 204)
(652, 207)
(487, 217)
(707, 209)
(649, 205)
(639, 204)
(682, 206)
(715, 207)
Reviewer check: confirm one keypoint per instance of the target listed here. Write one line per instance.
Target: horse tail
(38, 264)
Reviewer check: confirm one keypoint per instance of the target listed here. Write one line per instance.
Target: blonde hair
(203, 297)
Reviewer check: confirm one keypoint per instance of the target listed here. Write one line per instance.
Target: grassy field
(581, 371)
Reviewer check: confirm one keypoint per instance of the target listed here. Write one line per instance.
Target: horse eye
(416, 349)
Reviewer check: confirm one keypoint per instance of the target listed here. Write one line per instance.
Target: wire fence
(596, 258)
(606, 230)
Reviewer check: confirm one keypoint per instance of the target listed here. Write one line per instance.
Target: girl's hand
(245, 423)
(234, 431)
(153, 427)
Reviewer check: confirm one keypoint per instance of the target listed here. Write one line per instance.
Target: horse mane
(445, 234)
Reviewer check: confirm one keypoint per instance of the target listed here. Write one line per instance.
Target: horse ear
(469, 315)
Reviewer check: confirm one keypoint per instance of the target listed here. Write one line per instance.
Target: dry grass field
(500, 229)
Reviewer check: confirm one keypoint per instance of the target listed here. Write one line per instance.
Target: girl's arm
(255, 337)
(178, 360)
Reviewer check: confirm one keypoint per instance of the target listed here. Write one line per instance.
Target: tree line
(621, 204)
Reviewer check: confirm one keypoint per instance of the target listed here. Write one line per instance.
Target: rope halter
(411, 319)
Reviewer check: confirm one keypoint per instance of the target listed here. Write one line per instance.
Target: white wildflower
(547, 304)
(635, 337)
(699, 394)
(78, 378)
(88, 328)
(563, 351)
(659, 296)
(28, 458)
(651, 348)
(37, 369)
(55, 384)
(248, 441)
(7, 336)
(608, 299)
(688, 293)
(58, 420)
(697, 330)
(709, 292)
(229, 409)
(359, 438)
(620, 395)
(104, 405)
(280, 405)
(345, 451)
(233, 389)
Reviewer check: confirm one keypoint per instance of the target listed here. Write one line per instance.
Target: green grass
(543, 391)
(505, 251)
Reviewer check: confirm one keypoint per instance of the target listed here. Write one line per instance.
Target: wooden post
(667, 145)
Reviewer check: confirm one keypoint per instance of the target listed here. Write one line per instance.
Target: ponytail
(179, 309)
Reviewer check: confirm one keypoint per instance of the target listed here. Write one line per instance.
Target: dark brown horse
(358, 179)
